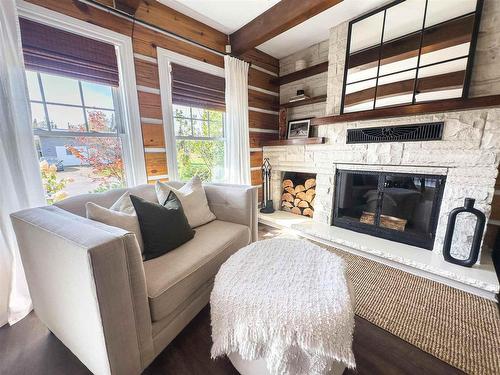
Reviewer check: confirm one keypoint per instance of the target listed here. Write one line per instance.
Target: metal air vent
(432, 131)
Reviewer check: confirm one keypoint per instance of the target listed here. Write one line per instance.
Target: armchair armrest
(234, 203)
(87, 283)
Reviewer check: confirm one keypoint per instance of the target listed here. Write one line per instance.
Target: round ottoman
(283, 306)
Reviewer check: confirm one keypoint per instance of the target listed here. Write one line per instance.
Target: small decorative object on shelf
(476, 240)
(266, 188)
(299, 128)
(301, 95)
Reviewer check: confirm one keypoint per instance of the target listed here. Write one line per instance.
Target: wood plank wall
(263, 103)
(263, 93)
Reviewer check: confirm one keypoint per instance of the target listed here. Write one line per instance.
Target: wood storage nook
(298, 193)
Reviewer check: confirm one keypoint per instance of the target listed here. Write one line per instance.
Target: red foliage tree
(103, 154)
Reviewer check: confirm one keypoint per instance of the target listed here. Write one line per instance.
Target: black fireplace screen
(397, 206)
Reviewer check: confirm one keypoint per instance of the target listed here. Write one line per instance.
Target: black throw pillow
(163, 228)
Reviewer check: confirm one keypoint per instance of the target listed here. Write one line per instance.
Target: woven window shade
(50, 50)
(191, 87)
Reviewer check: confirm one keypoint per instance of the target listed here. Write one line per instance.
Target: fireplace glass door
(397, 206)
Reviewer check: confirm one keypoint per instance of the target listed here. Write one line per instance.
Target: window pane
(66, 118)
(181, 111)
(33, 86)
(61, 90)
(96, 95)
(38, 116)
(101, 121)
(199, 113)
(216, 129)
(202, 158)
(182, 127)
(200, 128)
(77, 165)
(216, 116)
(216, 123)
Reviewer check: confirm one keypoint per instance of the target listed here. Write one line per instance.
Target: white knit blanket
(287, 301)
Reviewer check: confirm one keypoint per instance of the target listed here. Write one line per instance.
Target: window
(200, 143)
(78, 135)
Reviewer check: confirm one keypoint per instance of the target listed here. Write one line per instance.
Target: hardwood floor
(28, 348)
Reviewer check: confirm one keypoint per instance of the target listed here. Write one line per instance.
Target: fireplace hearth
(401, 207)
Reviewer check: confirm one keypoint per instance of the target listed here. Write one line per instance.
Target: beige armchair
(91, 288)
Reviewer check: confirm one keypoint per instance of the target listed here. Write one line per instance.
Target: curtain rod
(125, 15)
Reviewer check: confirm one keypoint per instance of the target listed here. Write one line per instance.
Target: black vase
(478, 234)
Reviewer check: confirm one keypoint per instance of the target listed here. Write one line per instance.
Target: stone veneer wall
(468, 155)
(313, 86)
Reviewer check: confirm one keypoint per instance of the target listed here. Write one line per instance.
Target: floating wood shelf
(304, 73)
(297, 141)
(298, 103)
(409, 110)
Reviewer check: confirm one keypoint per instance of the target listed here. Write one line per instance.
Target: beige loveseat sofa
(91, 288)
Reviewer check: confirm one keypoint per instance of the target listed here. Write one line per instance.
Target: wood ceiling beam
(276, 20)
(127, 6)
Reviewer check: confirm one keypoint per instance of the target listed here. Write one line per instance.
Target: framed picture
(299, 128)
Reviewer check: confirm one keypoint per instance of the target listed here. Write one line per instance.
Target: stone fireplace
(467, 155)
(456, 158)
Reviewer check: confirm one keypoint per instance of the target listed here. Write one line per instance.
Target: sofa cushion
(193, 198)
(163, 227)
(173, 277)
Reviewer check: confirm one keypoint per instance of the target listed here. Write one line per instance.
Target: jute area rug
(459, 328)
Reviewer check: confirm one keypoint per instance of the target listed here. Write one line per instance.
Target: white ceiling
(229, 15)
(223, 15)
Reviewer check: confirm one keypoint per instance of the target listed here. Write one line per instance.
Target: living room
(249, 187)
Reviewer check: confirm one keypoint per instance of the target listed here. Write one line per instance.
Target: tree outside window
(200, 143)
(77, 135)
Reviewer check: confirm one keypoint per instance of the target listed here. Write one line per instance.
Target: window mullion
(44, 102)
(209, 127)
(192, 120)
(83, 105)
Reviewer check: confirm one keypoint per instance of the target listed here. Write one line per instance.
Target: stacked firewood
(299, 199)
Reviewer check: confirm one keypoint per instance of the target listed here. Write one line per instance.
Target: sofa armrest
(87, 284)
(234, 203)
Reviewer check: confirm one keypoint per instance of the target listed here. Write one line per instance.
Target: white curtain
(20, 181)
(237, 137)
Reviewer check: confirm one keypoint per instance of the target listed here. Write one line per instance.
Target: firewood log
(287, 183)
(296, 202)
(308, 212)
(287, 197)
(285, 208)
(302, 195)
(312, 202)
(286, 204)
(299, 188)
(296, 211)
(303, 204)
(310, 182)
(310, 194)
(290, 190)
